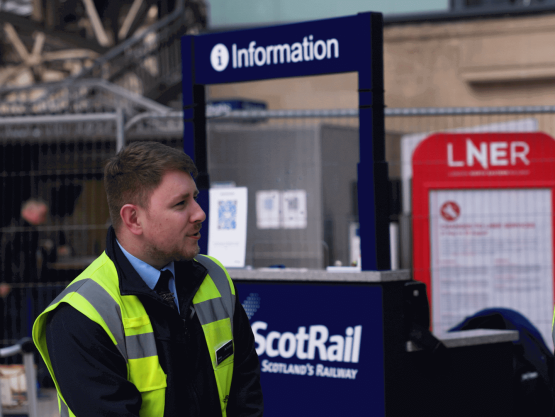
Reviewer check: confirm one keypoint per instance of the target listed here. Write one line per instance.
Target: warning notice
(491, 248)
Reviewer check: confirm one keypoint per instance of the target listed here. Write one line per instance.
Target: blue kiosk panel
(318, 358)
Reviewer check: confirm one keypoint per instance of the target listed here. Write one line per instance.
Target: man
(18, 268)
(20, 244)
(117, 344)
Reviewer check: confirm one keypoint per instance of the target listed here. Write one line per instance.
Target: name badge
(224, 352)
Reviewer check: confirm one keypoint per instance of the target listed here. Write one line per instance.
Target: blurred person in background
(19, 269)
(151, 327)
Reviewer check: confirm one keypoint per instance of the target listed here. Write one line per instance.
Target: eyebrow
(184, 196)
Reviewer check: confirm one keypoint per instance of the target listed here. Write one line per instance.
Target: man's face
(35, 214)
(172, 222)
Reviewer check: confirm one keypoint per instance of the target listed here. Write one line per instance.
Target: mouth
(196, 235)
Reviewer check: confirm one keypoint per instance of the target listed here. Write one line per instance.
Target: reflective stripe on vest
(64, 410)
(215, 306)
(214, 303)
(127, 324)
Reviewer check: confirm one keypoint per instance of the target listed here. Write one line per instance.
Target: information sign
(297, 49)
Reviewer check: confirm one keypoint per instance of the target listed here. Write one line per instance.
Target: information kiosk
(350, 344)
(355, 344)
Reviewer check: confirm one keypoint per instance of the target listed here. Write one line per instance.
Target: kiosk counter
(357, 343)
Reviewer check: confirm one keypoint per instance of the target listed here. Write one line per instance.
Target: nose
(198, 215)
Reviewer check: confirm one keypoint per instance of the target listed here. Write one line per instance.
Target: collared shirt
(149, 274)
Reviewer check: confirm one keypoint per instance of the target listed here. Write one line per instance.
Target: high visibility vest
(95, 293)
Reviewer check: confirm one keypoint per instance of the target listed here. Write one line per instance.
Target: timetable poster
(492, 248)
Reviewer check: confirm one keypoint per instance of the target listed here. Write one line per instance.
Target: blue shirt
(149, 274)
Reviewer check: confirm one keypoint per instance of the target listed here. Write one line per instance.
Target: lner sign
(483, 225)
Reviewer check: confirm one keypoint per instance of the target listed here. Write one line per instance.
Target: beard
(165, 257)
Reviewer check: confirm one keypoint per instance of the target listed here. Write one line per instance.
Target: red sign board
(459, 229)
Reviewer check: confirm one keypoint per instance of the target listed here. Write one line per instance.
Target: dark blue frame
(360, 40)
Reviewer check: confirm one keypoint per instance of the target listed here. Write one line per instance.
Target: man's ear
(130, 216)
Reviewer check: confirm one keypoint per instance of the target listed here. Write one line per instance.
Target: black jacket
(18, 260)
(92, 374)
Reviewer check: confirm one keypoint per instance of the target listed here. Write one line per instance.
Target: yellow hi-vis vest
(95, 293)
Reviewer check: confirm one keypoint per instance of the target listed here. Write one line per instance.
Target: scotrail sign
(345, 44)
(326, 359)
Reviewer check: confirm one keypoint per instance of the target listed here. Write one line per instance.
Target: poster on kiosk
(483, 225)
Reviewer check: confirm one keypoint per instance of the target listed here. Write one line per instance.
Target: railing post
(26, 347)
(31, 379)
(1, 411)
(120, 130)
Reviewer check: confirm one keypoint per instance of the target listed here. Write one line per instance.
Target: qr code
(227, 215)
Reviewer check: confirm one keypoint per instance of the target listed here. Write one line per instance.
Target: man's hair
(132, 175)
(34, 202)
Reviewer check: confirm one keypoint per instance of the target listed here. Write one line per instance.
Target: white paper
(268, 211)
(281, 209)
(492, 248)
(227, 237)
(294, 209)
(354, 243)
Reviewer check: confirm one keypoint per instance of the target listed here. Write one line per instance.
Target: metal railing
(83, 97)
(56, 153)
(147, 117)
(150, 61)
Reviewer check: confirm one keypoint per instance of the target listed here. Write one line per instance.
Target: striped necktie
(163, 290)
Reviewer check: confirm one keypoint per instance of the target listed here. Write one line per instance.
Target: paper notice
(227, 238)
(492, 248)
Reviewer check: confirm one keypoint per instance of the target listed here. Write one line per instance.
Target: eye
(181, 203)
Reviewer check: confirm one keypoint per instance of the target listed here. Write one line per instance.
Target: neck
(133, 245)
